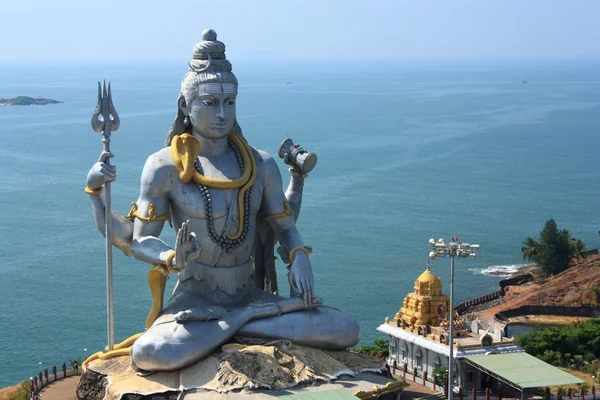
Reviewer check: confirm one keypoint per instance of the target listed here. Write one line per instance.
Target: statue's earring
(186, 121)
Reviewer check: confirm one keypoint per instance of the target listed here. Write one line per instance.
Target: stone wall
(580, 311)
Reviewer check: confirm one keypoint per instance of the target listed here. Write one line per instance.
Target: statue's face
(212, 113)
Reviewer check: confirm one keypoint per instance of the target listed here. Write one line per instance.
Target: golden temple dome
(428, 284)
(428, 277)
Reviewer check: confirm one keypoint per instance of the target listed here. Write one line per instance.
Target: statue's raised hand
(101, 172)
(301, 278)
(187, 249)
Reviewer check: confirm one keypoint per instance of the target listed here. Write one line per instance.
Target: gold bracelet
(294, 173)
(170, 258)
(93, 192)
(295, 249)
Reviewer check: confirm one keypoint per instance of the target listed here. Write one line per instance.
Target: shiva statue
(217, 192)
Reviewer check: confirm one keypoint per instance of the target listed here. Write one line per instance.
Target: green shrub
(380, 348)
(440, 376)
(24, 392)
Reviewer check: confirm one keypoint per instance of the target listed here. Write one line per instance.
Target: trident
(106, 120)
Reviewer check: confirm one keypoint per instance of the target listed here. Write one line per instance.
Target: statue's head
(206, 103)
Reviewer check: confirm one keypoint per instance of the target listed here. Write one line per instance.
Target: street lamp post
(455, 249)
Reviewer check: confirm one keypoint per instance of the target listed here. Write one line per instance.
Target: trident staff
(106, 120)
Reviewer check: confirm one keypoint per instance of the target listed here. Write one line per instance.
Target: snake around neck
(185, 149)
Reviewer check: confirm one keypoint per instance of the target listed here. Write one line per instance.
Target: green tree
(530, 249)
(579, 248)
(554, 248)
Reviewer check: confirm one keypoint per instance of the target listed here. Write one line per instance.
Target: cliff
(578, 285)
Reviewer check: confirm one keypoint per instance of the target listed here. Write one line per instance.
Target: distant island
(26, 101)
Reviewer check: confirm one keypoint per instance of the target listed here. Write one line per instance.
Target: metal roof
(522, 370)
(338, 394)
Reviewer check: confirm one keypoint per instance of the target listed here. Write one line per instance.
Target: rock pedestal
(260, 371)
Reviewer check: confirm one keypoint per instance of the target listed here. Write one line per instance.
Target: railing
(416, 376)
(465, 306)
(44, 378)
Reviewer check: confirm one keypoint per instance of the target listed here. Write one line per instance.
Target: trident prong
(104, 107)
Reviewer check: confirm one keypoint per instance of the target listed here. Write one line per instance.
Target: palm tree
(530, 249)
(578, 247)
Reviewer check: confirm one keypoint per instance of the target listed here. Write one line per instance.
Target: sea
(485, 151)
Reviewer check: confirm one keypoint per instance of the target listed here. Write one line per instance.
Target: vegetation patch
(22, 391)
(380, 348)
(575, 346)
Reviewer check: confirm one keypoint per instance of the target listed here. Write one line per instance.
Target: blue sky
(111, 30)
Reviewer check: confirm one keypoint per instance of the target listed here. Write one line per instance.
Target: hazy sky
(308, 29)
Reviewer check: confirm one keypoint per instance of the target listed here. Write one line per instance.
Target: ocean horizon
(486, 151)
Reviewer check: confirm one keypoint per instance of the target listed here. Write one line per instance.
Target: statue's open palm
(188, 248)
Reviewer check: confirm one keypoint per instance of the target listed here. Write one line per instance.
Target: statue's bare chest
(193, 200)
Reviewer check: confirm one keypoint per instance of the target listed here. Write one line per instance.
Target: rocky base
(92, 385)
(258, 370)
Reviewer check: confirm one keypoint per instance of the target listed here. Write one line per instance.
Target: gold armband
(133, 213)
(287, 211)
(295, 249)
(93, 192)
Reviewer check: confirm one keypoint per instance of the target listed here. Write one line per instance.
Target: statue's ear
(182, 106)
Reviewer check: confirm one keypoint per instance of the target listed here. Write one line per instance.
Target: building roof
(521, 370)
(507, 347)
(338, 394)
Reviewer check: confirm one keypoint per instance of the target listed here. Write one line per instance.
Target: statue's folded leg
(322, 327)
(171, 344)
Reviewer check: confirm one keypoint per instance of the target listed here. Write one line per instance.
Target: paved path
(63, 389)
(415, 391)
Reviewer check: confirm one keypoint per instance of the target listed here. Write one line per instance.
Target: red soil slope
(578, 285)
